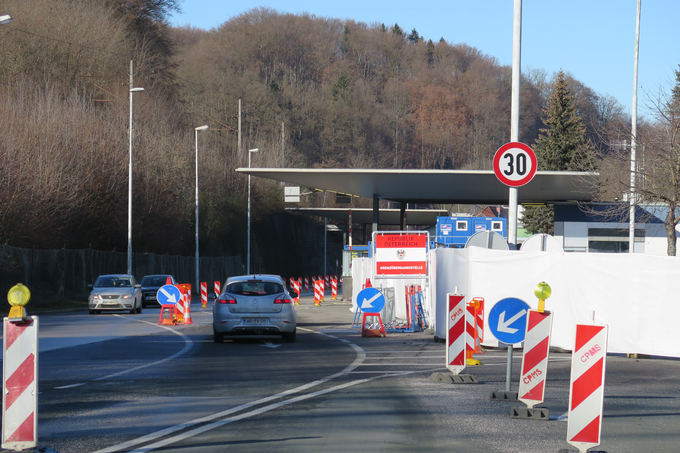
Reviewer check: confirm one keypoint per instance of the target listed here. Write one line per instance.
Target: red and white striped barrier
(327, 281)
(334, 288)
(317, 292)
(204, 295)
(218, 288)
(20, 384)
(296, 288)
(586, 391)
(187, 307)
(479, 324)
(455, 334)
(322, 288)
(178, 309)
(306, 284)
(535, 361)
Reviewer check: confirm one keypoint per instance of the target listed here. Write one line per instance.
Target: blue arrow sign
(508, 320)
(168, 295)
(370, 300)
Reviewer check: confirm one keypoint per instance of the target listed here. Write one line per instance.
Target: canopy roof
(387, 216)
(436, 186)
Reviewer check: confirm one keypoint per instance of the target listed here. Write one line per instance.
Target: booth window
(496, 226)
(461, 225)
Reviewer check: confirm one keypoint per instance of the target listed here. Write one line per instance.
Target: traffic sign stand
(507, 321)
(372, 332)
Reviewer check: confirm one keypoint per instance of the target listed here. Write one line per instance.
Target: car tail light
(226, 299)
(284, 299)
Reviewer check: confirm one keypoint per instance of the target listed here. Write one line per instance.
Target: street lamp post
(200, 128)
(250, 153)
(129, 251)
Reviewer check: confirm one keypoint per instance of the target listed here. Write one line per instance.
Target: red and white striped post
(322, 288)
(317, 292)
(20, 384)
(218, 288)
(296, 288)
(455, 334)
(204, 294)
(586, 390)
(535, 360)
(334, 288)
(306, 284)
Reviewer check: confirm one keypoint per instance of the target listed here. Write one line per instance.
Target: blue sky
(594, 40)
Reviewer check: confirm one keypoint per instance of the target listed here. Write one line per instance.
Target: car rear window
(257, 288)
(113, 282)
(154, 281)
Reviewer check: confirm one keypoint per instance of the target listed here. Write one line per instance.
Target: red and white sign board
(515, 164)
(456, 333)
(400, 254)
(535, 361)
(586, 391)
(20, 384)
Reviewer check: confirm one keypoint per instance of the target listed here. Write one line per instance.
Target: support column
(376, 212)
(402, 215)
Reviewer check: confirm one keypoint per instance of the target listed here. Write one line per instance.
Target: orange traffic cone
(187, 311)
(168, 281)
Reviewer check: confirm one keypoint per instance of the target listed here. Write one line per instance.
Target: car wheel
(290, 336)
(133, 311)
(92, 311)
(218, 337)
(139, 309)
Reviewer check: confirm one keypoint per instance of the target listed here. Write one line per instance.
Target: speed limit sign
(515, 164)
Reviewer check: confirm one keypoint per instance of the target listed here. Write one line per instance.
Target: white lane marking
(262, 410)
(269, 344)
(361, 356)
(187, 345)
(69, 386)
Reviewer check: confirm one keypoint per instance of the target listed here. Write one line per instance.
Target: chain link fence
(54, 275)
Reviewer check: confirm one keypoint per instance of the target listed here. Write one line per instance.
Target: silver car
(254, 305)
(115, 292)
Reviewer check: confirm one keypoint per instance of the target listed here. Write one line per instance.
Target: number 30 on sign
(515, 164)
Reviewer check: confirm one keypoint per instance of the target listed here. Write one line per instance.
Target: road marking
(269, 344)
(361, 356)
(69, 386)
(187, 345)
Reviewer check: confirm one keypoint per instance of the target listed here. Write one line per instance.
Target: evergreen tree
(561, 146)
(414, 37)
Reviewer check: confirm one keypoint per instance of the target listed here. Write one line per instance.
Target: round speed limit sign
(515, 164)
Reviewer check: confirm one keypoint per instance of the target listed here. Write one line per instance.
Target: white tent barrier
(636, 294)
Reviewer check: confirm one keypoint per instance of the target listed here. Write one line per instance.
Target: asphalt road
(123, 383)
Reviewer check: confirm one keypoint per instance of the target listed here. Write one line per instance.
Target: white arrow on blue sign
(370, 300)
(168, 295)
(508, 320)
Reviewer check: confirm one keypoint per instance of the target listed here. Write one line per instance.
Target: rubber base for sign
(448, 378)
(530, 413)
(502, 395)
(567, 450)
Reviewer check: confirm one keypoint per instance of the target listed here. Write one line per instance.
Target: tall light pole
(200, 128)
(129, 252)
(250, 153)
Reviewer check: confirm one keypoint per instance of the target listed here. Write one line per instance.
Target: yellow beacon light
(542, 291)
(18, 296)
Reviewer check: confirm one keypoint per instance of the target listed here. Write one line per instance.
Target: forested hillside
(315, 92)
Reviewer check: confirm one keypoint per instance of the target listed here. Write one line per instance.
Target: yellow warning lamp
(542, 291)
(18, 296)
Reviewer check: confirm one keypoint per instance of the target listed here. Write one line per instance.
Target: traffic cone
(187, 311)
(469, 358)
(168, 281)
(368, 283)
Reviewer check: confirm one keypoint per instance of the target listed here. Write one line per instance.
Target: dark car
(150, 286)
